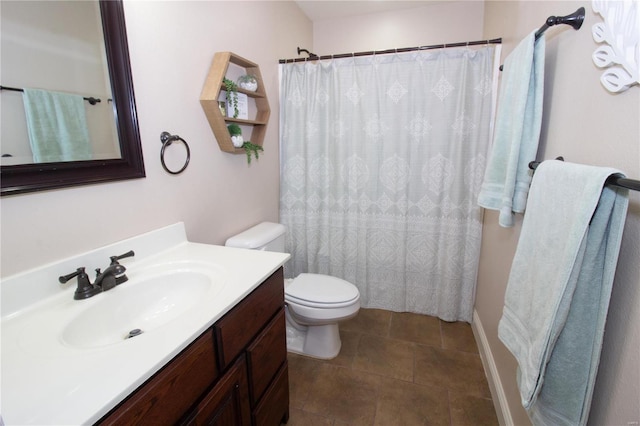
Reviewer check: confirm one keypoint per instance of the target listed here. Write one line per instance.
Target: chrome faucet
(105, 280)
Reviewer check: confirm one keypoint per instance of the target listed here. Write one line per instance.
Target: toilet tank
(264, 236)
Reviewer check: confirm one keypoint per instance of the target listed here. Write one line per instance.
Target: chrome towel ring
(167, 139)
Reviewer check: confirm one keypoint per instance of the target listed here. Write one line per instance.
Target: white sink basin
(142, 305)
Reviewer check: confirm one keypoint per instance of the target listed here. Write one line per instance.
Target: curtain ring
(167, 139)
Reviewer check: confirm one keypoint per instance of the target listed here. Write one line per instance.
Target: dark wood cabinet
(235, 373)
(242, 324)
(166, 396)
(227, 403)
(273, 408)
(265, 355)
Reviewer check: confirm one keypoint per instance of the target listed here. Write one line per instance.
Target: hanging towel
(517, 131)
(559, 288)
(57, 126)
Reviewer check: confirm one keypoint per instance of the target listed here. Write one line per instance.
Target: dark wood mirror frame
(38, 177)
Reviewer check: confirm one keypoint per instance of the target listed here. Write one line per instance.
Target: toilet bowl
(314, 303)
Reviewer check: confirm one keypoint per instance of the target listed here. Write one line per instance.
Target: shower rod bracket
(311, 55)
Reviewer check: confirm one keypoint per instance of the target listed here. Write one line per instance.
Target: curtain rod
(313, 57)
(90, 99)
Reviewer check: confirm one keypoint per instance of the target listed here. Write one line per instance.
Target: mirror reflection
(56, 101)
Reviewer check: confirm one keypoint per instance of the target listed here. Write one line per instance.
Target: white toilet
(314, 303)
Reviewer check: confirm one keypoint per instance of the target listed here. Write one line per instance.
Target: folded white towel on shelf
(57, 126)
(559, 288)
(517, 131)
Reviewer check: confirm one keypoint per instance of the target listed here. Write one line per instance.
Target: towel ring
(167, 139)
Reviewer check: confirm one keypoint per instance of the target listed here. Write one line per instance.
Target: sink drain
(133, 333)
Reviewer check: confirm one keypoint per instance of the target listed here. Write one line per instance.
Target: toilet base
(317, 341)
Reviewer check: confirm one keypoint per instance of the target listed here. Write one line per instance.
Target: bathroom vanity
(235, 373)
(212, 348)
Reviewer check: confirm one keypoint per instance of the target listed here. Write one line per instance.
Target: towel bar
(575, 20)
(90, 99)
(612, 180)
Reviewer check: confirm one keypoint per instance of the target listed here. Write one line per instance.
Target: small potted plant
(248, 82)
(236, 135)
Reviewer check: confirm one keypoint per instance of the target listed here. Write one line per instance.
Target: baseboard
(495, 385)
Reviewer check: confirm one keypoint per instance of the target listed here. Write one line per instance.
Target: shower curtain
(382, 158)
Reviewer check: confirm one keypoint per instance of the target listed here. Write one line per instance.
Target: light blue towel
(57, 126)
(517, 131)
(559, 288)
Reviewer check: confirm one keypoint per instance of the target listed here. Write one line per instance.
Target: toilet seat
(321, 291)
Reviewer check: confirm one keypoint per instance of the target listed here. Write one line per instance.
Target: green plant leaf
(250, 148)
(232, 95)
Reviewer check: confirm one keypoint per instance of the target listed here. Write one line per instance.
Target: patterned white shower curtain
(382, 158)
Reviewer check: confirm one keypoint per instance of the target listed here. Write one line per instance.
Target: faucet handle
(85, 289)
(78, 273)
(114, 259)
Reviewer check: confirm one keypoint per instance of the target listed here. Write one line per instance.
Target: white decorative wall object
(621, 33)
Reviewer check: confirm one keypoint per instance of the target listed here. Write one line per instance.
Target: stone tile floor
(393, 369)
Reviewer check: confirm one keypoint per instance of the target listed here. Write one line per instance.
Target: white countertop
(47, 381)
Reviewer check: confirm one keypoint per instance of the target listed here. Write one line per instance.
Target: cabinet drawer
(265, 356)
(274, 406)
(165, 397)
(239, 326)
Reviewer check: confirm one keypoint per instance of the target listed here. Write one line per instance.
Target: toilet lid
(318, 290)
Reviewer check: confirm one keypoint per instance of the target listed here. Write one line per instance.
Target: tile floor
(393, 369)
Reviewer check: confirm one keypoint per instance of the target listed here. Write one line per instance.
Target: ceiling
(317, 10)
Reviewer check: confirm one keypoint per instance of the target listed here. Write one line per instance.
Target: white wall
(585, 124)
(437, 23)
(172, 45)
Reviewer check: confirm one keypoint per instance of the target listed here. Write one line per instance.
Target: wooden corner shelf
(214, 84)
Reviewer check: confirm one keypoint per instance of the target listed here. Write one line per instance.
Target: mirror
(56, 94)
(22, 178)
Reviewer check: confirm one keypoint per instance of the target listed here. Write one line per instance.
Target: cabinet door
(227, 403)
(265, 356)
(273, 408)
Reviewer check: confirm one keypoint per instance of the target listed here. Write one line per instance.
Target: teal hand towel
(517, 131)
(57, 126)
(559, 288)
